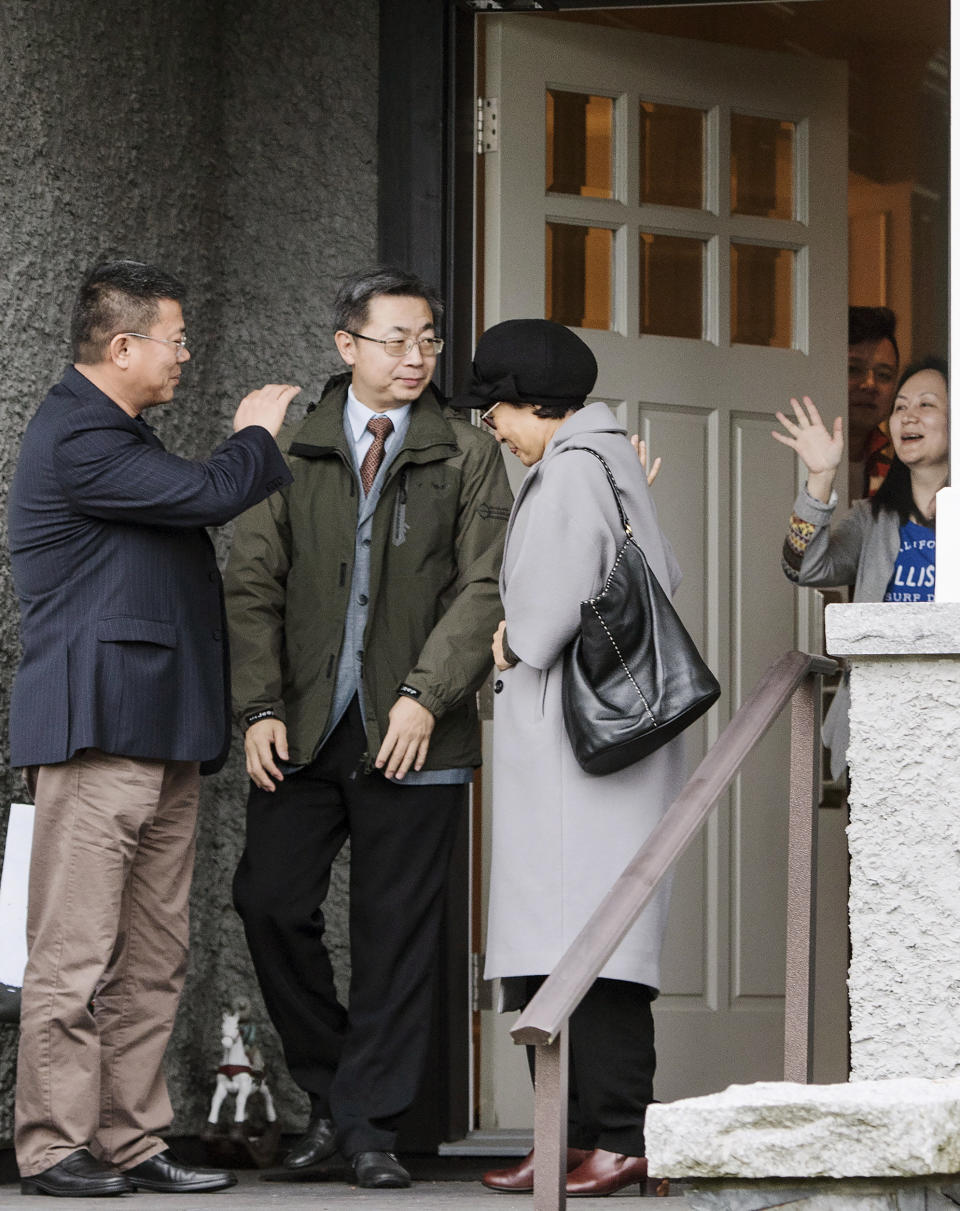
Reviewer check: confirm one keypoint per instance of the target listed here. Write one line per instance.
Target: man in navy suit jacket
(120, 702)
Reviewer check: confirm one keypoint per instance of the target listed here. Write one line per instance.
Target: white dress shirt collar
(358, 414)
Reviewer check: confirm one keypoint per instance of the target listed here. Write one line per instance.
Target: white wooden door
(683, 206)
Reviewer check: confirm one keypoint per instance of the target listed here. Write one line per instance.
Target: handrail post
(550, 1125)
(801, 881)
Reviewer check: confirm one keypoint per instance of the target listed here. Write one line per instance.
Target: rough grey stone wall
(235, 144)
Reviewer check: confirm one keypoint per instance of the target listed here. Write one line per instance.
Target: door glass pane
(761, 295)
(761, 166)
(671, 155)
(671, 285)
(579, 275)
(579, 144)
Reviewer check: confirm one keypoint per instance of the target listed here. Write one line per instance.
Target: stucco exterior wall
(904, 836)
(905, 862)
(236, 145)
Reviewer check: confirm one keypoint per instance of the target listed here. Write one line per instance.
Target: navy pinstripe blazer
(122, 619)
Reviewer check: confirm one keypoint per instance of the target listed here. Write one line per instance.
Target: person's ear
(118, 351)
(346, 346)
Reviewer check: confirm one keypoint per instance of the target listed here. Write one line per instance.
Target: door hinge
(481, 990)
(488, 125)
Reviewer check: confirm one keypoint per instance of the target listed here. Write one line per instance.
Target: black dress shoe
(78, 1175)
(164, 1174)
(317, 1143)
(379, 1171)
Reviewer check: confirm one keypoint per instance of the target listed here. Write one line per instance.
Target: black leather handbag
(633, 678)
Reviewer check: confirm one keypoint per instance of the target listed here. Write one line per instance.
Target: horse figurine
(240, 1072)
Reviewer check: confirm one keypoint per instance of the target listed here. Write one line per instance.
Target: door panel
(761, 595)
(683, 207)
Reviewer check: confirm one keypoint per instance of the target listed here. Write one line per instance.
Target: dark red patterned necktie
(381, 427)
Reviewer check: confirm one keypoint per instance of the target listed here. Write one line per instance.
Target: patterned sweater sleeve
(815, 554)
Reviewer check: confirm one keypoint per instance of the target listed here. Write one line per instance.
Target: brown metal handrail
(542, 1023)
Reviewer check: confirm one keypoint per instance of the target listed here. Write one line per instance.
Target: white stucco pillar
(904, 835)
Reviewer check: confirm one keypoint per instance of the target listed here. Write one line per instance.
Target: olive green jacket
(438, 533)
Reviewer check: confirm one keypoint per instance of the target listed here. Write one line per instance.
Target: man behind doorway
(873, 364)
(361, 600)
(119, 703)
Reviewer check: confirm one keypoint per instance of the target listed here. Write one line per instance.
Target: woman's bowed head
(919, 427)
(527, 376)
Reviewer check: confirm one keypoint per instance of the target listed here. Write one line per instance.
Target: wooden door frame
(425, 184)
(425, 210)
(425, 224)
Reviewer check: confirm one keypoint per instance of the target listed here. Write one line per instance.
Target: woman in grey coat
(886, 546)
(561, 836)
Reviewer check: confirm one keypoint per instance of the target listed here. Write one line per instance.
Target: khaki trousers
(108, 923)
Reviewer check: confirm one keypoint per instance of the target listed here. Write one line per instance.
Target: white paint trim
(948, 500)
(948, 505)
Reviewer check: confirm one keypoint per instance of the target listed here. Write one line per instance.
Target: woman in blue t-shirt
(885, 547)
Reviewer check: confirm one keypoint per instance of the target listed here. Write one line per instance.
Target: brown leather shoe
(605, 1173)
(519, 1177)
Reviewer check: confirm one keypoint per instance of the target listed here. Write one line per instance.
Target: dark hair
(931, 362)
(872, 324)
(117, 296)
(896, 491)
(555, 411)
(351, 307)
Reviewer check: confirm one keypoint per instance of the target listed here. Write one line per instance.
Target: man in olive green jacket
(361, 601)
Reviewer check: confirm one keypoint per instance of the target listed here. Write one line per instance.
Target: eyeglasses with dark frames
(485, 417)
(400, 346)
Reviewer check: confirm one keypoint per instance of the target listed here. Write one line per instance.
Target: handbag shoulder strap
(613, 484)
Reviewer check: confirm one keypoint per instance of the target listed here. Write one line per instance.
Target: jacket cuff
(814, 511)
(275, 470)
(249, 715)
(413, 687)
(509, 654)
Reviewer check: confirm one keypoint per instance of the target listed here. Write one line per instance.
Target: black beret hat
(529, 362)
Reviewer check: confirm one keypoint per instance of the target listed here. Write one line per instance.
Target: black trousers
(612, 1063)
(361, 1066)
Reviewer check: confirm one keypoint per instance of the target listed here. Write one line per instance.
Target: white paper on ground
(13, 894)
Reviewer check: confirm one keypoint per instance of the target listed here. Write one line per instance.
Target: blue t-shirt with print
(915, 570)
